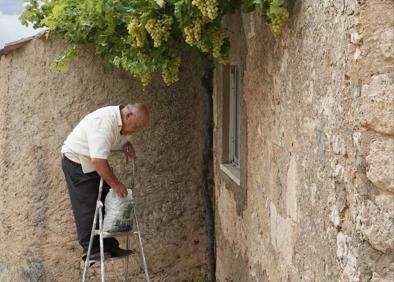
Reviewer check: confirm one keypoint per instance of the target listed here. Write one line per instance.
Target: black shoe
(95, 256)
(91, 263)
(118, 252)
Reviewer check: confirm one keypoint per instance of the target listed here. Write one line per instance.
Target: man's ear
(128, 115)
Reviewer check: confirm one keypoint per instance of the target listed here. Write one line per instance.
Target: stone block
(379, 278)
(291, 192)
(380, 161)
(281, 235)
(376, 109)
(376, 222)
(346, 258)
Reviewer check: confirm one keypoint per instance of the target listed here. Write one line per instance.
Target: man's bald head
(134, 117)
(138, 109)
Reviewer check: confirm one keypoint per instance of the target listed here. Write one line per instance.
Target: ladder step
(112, 234)
(109, 259)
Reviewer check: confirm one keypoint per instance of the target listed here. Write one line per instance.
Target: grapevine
(142, 37)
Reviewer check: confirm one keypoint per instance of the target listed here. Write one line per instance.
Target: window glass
(235, 116)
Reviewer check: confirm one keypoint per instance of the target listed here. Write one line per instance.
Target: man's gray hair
(130, 108)
(137, 108)
(134, 107)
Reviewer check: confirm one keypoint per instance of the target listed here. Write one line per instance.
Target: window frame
(234, 116)
(231, 121)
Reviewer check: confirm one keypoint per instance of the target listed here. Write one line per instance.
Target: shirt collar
(119, 115)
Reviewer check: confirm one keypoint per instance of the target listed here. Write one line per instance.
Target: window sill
(232, 172)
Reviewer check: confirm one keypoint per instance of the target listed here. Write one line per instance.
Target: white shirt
(94, 137)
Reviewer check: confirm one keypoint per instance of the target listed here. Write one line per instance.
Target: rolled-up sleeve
(100, 138)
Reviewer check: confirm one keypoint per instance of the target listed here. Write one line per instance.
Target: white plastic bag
(118, 212)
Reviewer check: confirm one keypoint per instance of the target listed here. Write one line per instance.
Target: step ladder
(102, 234)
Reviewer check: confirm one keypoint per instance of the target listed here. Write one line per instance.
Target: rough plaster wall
(37, 111)
(316, 191)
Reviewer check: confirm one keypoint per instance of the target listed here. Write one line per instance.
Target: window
(234, 113)
(231, 163)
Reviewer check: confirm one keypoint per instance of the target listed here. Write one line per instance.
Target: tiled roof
(9, 47)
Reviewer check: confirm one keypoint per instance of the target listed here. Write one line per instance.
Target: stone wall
(37, 111)
(315, 201)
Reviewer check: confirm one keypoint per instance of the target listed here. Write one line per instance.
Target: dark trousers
(83, 190)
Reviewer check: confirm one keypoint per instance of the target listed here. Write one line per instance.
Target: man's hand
(120, 189)
(104, 170)
(128, 150)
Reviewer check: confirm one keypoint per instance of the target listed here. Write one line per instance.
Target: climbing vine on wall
(141, 36)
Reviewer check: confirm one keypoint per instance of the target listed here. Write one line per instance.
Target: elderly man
(84, 161)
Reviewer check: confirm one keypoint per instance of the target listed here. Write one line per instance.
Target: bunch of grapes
(217, 36)
(134, 30)
(278, 18)
(193, 32)
(203, 46)
(208, 8)
(142, 72)
(170, 72)
(145, 77)
(159, 29)
(142, 58)
(137, 70)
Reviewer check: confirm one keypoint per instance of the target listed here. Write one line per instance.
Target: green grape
(188, 31)
(134, 30)
(145, 77)
(208, 8)
(193, 33)
(278, 18)
(142, 57)
(203, 47)
(217, 36)
(170, 73)
(159, 29)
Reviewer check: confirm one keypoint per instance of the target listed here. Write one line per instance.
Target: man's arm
(104, 170)
(128, 150)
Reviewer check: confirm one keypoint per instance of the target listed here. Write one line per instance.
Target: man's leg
(83, 190)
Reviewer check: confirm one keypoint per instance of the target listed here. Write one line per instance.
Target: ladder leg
(87, 261)
(126, 269)
(101, 245)
(141, 244)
